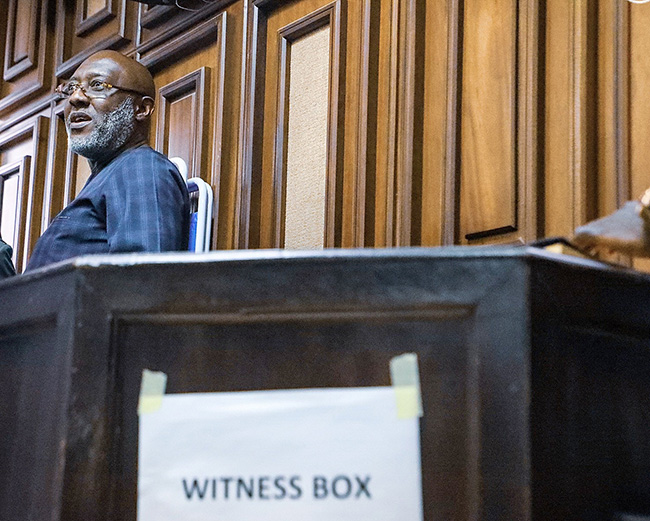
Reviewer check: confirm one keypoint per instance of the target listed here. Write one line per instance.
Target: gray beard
(110, 133)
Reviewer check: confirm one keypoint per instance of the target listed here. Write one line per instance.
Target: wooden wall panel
(87, 27)
(28, 140)
(191, 104)
(489, 176)
(14, 191)
(26, 70)
(570, 125)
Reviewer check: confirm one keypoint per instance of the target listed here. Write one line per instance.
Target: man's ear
(144, 108)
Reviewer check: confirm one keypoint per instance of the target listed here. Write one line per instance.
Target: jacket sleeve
(6, 266)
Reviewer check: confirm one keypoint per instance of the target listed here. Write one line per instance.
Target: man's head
(109, 104)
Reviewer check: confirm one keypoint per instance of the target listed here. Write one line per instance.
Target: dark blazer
(6, 266)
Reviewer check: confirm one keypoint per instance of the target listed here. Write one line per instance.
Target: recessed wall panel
(306, 177)
(488, 121)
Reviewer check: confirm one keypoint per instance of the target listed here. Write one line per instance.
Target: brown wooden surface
(451, 122)
(533, 369)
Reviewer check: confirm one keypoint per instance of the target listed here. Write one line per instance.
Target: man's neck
(98, 164)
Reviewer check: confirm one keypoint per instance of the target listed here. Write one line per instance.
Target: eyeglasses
(94, 89)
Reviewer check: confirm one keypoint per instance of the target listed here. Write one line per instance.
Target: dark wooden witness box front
(535, 369)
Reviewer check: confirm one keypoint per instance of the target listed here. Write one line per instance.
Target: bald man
(135, 200)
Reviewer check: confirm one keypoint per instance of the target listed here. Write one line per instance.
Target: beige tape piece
(405, 379)
(152, 390)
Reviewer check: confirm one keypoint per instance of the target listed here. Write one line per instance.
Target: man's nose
(78, 98)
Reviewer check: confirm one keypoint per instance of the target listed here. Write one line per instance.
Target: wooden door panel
(88, 26)
(27, 65)
(26, 141)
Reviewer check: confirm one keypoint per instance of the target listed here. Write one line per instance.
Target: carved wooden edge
(359, 195)
(85, 24)
(245, 154)
(60, 186)
(23, 63)
(622, 103)
(197, 81)
(171, 49)
(451, 181)
(527, 137)
(328, 15)
(22, 95)
(405, 123)
(217, 140)
(65, 67)
(21, 168)
(152, 16)
(38, 129)
(180, 30)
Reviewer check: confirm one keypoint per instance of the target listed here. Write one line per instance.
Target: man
(626, 231)
(6, 266)
(135, 200)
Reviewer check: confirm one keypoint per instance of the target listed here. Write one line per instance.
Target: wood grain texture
(28, 140)
(570, 154)
(112, 27)
(27, 67)
(488, 162)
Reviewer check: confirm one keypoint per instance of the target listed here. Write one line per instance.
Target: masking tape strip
(405, 378)
(152, 390)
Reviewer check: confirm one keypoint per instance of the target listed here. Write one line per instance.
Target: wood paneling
(29, 141)
(570, 153)
(488, 120)
(26, 58)
(181, 118)
(87, 27)
(14, 186)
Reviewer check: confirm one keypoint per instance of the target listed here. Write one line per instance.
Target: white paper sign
(316, 454)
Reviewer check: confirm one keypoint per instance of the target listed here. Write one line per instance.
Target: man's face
(98, 126)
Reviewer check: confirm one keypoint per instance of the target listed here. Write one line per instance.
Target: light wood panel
(14, 192)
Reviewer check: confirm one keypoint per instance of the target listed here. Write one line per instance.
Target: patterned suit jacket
(6, 266)
(137, 203)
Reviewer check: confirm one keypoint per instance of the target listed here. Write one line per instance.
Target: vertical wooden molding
(247, 126)
(622, 103)
(527, 138)
(215, 175)
(359, 224)
(21, 169)
(405, 117)
(391, 145)
(450, 209)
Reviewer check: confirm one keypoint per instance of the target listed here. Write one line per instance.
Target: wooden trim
(451, 201)
(405, 120)
(252, 69)
(174, 48)
(16, 65)
(38, 59)
(527, 133)
(86, 24)
(198, 82)
(152, 16)
(22, 168)
(360, 190)
(622, 104)
(65, 68)
(329, 14)
(391, 145)
(182, 29)
(215, 175)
